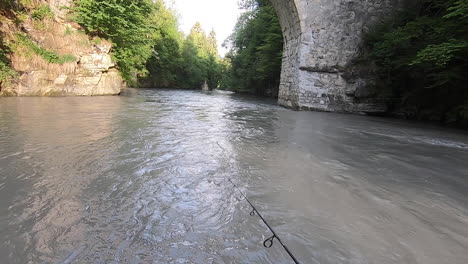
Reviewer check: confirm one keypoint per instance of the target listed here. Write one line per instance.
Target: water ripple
(142, 179)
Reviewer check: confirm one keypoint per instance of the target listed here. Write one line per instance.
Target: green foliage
(165, 61)
(184, 63)
(253, 64)
(147, 44)
(199, 59)
(459, 9)
(440, 54)
(48, 55)
(423, 60)
(130, 25)
(192, 74)
(6, 72)
(42, 12)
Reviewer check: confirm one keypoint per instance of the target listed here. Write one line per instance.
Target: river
(142, 178)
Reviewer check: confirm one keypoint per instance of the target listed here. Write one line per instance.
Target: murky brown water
(141, 179)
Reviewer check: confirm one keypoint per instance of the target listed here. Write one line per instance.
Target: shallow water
(142, 179)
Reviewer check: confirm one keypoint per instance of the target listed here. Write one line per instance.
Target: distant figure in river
(205, 86)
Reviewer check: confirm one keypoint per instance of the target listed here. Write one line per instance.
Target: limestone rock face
(91, 73)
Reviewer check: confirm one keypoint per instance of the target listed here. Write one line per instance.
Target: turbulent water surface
(142, 178)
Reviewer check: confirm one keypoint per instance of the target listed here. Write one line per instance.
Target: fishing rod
(268, 243)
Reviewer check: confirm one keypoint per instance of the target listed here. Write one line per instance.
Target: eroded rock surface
(90, 71)
(93, 74)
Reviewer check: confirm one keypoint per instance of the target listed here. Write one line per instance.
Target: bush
(41, 12)
(6, 72)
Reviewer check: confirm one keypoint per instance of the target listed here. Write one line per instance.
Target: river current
(142, 178)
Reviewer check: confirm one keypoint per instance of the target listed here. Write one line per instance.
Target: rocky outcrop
(89, 71)
(93, 73)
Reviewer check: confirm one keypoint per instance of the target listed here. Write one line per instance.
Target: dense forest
(421, 57)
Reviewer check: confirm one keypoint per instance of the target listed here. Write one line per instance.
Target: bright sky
(220, 15)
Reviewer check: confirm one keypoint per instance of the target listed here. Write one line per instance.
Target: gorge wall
(53, 56)
(322, 40)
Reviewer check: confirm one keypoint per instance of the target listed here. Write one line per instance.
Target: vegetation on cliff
(254, 61)
(22, 22)
(6, 71)
(422, 58)
(130, 25)
(49, 56)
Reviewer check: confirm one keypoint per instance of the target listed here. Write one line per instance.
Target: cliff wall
(52, 55)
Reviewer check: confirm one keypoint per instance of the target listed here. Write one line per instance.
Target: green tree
(213, 44)
(130, 25)
(165, 62)
(214, 69)
(256, 51)
(193, 67)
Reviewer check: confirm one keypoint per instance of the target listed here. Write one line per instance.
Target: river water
(142, 178)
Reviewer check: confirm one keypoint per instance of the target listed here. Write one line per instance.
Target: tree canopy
(253, 64)
(148, 47)
(132, 26)
(422, 59)
(188, 62)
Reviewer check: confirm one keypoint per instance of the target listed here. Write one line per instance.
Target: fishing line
(268, 243)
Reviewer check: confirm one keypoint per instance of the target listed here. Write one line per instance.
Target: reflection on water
(142, 179)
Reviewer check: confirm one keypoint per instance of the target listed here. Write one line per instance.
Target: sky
(220, 15)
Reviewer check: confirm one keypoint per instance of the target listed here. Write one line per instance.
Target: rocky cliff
(52, 55)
